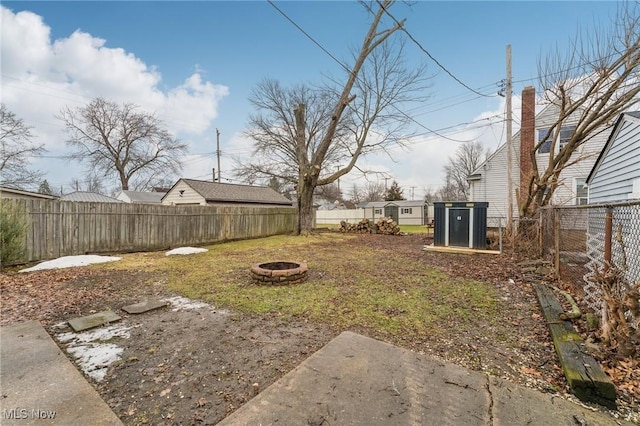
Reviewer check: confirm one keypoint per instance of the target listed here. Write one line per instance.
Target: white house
(199, 192)
(616, 173)
(489, 181)
(139, 197)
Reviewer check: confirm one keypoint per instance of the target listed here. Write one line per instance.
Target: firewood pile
(384, 225)
(387, 226)
(365, 226)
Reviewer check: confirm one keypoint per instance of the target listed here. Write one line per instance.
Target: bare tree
(17, 149)
(466, 159)
(374, 191)
(590, 86)
(313, 137)
(450, 191)
(122, 142)
(91, 183)
(355, 194)
(329, 192)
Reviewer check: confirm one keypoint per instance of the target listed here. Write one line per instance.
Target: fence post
(540, 235)
(608, 231)
(556, 242)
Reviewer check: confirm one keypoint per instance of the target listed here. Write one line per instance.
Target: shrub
(13, 228)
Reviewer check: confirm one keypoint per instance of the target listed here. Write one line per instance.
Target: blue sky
(195, 64)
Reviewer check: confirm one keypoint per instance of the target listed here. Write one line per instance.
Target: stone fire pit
(279, 273)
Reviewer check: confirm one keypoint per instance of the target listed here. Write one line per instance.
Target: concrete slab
(356, 380)
(144, 306)
(95, 320)
(41, 386)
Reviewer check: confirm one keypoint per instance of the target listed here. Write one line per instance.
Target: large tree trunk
(305, 208)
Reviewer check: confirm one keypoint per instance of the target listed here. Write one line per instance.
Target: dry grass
(348, 285)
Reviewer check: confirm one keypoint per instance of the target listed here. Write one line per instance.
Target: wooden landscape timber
(586, 378)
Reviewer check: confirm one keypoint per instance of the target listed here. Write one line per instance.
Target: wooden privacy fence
(63, 228)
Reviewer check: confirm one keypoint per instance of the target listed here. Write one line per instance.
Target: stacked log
(387, 226)
(363, 227)
(384, 225)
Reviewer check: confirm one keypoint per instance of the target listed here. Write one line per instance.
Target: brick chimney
(527, 136)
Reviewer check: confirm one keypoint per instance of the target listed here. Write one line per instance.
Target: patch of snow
(91, 351)
(71, 261)
(95, 358)
(103, 333)
(185, 304)
(185, 250)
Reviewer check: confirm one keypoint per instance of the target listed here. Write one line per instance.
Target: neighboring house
(616, 174)
(6, 192)
(404, 212)
(488, 183)
(138, 197)
(199, 192)
(615, 178)
(322, 204)
(88, 197)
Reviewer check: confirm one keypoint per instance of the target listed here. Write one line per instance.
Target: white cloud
(40, 76)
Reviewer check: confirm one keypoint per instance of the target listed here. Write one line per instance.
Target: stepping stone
(142, 307)
(91, 321)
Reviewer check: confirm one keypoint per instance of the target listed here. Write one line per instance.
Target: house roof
(15, 191)
(399, 203)
(610, 139)
(88, 197)
(229, 192)
(144, 197)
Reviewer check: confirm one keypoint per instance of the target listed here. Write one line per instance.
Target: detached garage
(460, 224)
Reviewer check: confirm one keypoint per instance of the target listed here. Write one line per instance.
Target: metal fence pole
(556, 242)
(608, 231)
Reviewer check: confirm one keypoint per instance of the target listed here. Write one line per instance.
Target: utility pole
(412, 189)
(218, 151)
(385, 182)
(509, 142)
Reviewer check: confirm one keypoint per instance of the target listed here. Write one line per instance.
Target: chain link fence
(581, 240)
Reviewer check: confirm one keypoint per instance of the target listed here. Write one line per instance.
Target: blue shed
(460, 224)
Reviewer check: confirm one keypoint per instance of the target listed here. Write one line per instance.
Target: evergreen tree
(44, 188)
(394, 193)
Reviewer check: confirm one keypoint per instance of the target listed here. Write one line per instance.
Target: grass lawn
(349, 284)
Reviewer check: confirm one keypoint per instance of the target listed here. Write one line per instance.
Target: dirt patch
(196, 365)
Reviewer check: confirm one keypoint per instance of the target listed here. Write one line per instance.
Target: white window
(546, 146)
(582, 193)
(565, 136)
(378, 211)
(407, 210)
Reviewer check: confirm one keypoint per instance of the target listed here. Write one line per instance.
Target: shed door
(459, 227)
(392, 212)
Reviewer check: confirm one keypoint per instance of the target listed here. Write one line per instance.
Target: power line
(359, 79)
(417, 43)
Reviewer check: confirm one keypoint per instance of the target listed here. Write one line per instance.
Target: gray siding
(620, 166)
